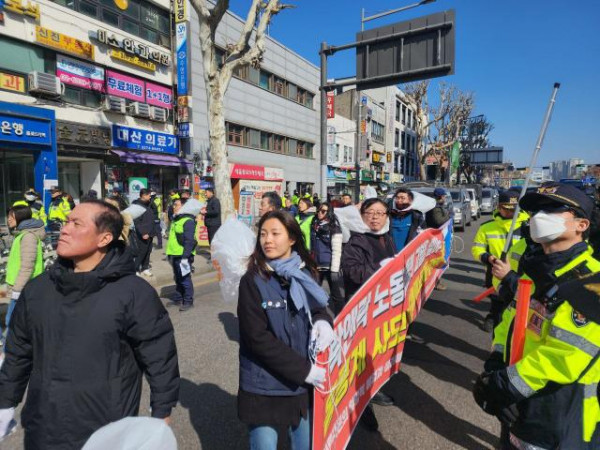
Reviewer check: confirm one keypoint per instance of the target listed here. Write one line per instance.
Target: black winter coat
(361, 257)
(212, 218)
(145, 223)
(80, 343)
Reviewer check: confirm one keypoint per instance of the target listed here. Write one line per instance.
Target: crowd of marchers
(83, 333)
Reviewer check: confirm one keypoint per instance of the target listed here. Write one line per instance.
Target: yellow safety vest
(14, 260)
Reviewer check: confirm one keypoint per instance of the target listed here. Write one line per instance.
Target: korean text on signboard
(80, 74)
(12, 82)
(125, 86)
(70, 133)
(30, 9)
(158, 95)
(64, 43)
(25, 130)
(180, 10)
(330, 105)
(150, 141)
(182, 59)
(131, 47)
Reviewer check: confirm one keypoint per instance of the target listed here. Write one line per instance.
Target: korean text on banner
(182, 58)
(158, 95)
(124, 86)
(80, 74)
(372, 329)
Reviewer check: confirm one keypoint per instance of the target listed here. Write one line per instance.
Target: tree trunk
(218, 150)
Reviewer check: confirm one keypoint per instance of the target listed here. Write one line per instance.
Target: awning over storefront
(151, 158)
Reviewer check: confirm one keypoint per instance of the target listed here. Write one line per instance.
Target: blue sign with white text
(25, 130)
(146, 140)
(182, 58)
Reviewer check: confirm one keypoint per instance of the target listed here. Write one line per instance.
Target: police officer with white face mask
(549, 399)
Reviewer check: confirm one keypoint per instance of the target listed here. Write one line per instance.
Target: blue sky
(508, 52)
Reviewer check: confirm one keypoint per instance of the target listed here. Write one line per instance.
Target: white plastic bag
(134, 211)
(351, 220)
(422, 202)
(231, 247)
(370, 192)
(133, 433)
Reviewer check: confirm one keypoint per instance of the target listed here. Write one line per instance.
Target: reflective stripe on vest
(14, 260)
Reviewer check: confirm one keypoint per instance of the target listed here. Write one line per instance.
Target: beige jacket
(28, 253)
(127, 221)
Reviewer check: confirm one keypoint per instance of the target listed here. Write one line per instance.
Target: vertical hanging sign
(182, 59)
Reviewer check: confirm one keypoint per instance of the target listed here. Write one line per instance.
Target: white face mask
(30, 198)
(546, 227)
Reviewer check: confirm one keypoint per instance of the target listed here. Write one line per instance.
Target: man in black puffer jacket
(81, 336)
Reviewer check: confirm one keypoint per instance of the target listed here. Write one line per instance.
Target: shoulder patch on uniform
(579, 319)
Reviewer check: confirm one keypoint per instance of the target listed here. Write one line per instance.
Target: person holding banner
(549, 398)
(283, 324)
(326, 248)
(362, 256)
(405, 222)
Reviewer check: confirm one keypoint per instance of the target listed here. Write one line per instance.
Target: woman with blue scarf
(282, 312)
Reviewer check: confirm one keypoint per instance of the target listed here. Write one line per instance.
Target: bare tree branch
(216, 15)
(243, 43)
(201, 9)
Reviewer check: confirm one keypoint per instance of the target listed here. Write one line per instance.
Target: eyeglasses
(324, 211)
(371, 214)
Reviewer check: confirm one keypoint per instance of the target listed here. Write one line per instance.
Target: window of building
(279, 144)
(265, 80)
(403, 141)
(397, 111)
(309, 150)
(309, 100)
(396, 138)
(140, 18)
(253, 75)
(83, 97)
(301, 148)
(337, 152)
(377, 131)
(234, 134)
(253, 138)
(21, 57)
(410, 118)
(403, 114)
(265, 140)
(279, 86)
(292, 144)
(292, 91)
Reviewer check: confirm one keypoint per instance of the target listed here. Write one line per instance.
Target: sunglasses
(323, 210)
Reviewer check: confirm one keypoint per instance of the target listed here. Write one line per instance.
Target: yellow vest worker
(549, 398)
(59, 208)
(489, 244)
(37, 208)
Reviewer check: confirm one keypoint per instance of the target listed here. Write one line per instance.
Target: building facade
(272, 119)
(104, 70)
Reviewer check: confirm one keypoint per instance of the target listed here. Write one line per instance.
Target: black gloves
(494, 362)
(492, 401)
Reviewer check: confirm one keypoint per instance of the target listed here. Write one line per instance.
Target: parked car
(462, 208)
(489, 201)
(475, 205)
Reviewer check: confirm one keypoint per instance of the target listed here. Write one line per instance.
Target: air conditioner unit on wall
(139, 109)
(158, 114)
(115, 104)
(44, 84)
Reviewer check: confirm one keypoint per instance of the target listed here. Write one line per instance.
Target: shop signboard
(246, 172)
(273, 174)
(184, 181)
(180, 7)
(255, 189)
(72, 133)
(131, 47)
(29, 9)
(136, 184)
(330, 105)
(145, 140)
(23, 130)
(182, 58)
(80, 74)
(158, 95)
(12, 82)
(245, 208)
(124, 86)
(62, 42)
(185, 130)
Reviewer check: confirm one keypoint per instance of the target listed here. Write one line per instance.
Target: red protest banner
(371, 329)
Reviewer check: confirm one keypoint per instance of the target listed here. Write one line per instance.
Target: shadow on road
(422, 407)
(230, 325)
(463, 279)
(467, 269)
(436, 336)
(446, 309)
(438, 365)
(465, 261)
(213, 415)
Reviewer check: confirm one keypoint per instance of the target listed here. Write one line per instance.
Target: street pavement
(434, 408)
